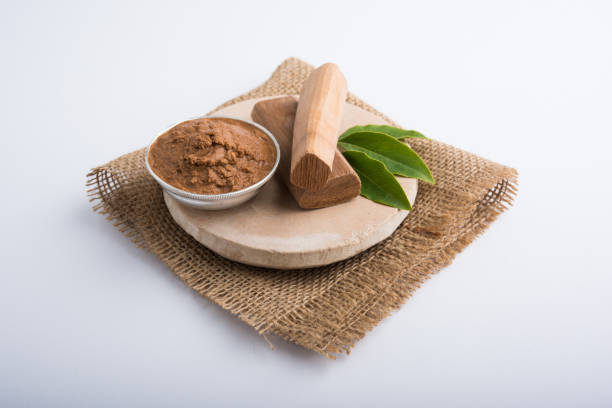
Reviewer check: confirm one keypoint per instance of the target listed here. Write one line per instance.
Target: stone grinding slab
(272, 231)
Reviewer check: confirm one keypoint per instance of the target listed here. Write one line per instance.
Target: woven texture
(326, 309)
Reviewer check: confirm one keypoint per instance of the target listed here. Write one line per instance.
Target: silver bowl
(215, 201)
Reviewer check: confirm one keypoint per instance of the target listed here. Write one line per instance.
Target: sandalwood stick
(277, 115)
(316, 127)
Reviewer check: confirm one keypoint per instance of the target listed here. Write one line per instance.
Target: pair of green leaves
(376, 154)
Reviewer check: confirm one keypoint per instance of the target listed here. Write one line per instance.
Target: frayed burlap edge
(325, 309)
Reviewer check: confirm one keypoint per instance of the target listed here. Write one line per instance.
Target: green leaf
(377, 183)
(387, 130)
(397, 156)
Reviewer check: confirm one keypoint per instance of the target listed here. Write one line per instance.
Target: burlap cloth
(326, 309)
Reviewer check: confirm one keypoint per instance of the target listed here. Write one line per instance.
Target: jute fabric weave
(326, 309)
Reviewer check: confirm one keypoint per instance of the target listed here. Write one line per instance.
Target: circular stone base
(272, 231)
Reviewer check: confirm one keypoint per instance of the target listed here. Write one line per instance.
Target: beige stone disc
(272, 231)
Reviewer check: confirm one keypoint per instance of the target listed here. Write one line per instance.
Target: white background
(521, 318)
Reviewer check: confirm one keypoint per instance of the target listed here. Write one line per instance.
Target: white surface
(522, 317)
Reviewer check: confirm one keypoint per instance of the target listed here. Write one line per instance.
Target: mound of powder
(212, 155)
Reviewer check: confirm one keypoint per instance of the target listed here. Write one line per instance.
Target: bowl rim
(215, 197)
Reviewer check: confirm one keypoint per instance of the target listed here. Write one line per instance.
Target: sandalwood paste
(212, 155)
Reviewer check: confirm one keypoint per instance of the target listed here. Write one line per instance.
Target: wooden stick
(277, 115)
(316, 127)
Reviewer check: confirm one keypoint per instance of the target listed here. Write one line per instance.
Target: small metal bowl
(215, 201)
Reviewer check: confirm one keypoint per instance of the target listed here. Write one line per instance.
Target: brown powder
(212, 155)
